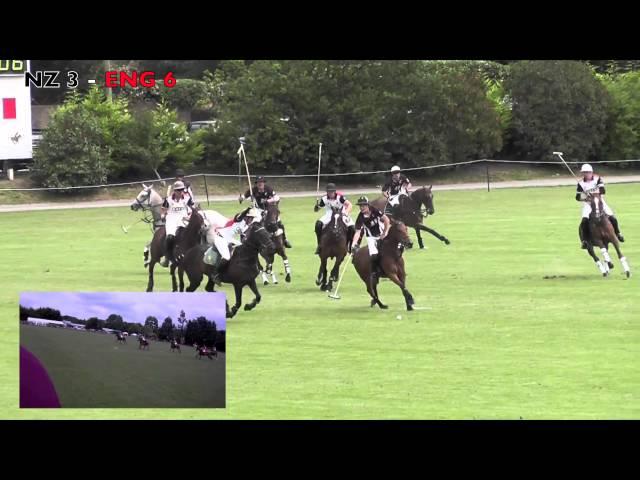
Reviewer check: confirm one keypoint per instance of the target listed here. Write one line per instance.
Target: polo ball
(399, 317)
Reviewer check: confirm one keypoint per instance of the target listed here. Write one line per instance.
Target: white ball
(399, 317)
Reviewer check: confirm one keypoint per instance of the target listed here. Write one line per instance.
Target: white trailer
(15, 113)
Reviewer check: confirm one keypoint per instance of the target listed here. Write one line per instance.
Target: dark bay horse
(120, 338)
(241, 270)
(409, 211)
(204, 351)
(333, 244)
(270, 222)
(175, 346)
(186, 238)
(602, 234)
(143, 343)
(391, 263)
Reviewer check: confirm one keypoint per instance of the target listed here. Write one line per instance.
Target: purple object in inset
(36, 388)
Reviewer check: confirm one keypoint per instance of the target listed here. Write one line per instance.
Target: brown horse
(409, 211)
(270, 222)
(204, 351)
(333, 244)
(241, 270)
(186, 238)
(175, 346)
(602, 233)
(391, 263)
(120, 338)
(143, 343)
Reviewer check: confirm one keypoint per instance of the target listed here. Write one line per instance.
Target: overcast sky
(133, 307)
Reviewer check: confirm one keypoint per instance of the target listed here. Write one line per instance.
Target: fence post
(206, 189)
(486, 163)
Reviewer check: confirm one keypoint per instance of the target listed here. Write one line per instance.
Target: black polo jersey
(393, 187)
(372, 224)
(261, 197)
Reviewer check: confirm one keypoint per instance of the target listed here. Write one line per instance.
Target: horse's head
(399, 234)
(424, 196)
(271, 217)
(337, 220)
(597, 207)
(143, 200)
(259, 238)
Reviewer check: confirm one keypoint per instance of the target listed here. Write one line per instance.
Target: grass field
(518, 323)
(93, 370)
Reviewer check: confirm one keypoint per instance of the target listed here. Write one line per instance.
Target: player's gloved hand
(240, 199)
(316, 207)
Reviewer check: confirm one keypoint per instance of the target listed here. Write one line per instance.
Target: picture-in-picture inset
(122, 350)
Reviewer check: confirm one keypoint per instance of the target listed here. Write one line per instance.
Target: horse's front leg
(419, 235)
(181, 277)
(623, 259)
(152, 265)
(442, 238)
(607, 257)
(238, 290)
(408, 298)
(287, 268)
(256, 300)
(323, 274)
(263, 273)
(601, 266)
(174, 283)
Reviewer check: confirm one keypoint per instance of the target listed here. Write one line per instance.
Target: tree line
(368, 115)
(199, 330)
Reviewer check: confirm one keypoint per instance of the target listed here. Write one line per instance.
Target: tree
(202, 331)
(114, 322)
(78, 145)
(94, 323)
(623, 134)
(367, 114)
(557, 105)
(150, 326)
(166, 330)
(182, 320)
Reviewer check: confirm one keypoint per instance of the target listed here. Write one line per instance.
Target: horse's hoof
(275, 282)
(383, 306)
(421, 247)
(373, 303)
(610, 265)
(409, 307)
(266, 282)
(287, 278)
(318, 282)
(248, 307)
(628, 274)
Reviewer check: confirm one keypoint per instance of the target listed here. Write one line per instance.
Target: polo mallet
(559, 154)
(319, 163)
(126, 229)
(335, 295)
(242, 153)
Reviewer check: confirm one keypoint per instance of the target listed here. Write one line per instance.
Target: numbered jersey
(595, 185)
(176, 206)
(372, 224)
(337, 202)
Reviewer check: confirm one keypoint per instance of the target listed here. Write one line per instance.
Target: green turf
(91, 370)
(497, 340)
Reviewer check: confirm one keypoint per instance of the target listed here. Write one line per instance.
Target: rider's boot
(216, 276)
(616, 227)
(284, 235)
(583, 231)
(170, 244)
(318, 229)
(375, 267)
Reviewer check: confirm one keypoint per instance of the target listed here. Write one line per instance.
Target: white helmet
(395, 169)
(253, 213)
(178, 185)
(586, 168)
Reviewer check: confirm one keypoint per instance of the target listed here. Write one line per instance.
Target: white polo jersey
(592, 186)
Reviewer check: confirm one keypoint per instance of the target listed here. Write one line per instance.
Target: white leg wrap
(625, 264)
(605, 254)
(287, 268)
(265, 278)
(601, 267)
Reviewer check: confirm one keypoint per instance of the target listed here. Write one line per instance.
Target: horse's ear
(145, 187)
